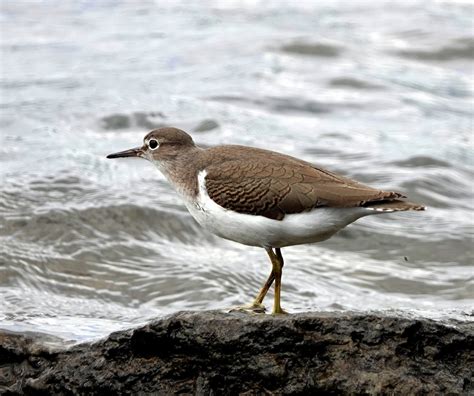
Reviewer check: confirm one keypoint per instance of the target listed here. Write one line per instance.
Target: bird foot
(250, 308)
(280, 311)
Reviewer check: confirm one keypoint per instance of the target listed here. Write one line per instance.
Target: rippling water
(379, 91)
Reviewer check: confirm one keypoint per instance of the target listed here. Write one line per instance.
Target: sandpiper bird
(261, 198)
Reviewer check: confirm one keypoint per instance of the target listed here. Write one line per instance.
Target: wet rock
(219, 353)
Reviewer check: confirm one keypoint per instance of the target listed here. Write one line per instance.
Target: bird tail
(396, 205)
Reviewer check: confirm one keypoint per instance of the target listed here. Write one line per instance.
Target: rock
(218, 353)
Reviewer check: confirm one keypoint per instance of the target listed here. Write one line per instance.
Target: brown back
(260, 182)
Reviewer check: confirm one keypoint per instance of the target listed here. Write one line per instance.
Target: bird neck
(181, 169)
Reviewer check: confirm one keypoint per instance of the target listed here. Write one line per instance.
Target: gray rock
(214, 353)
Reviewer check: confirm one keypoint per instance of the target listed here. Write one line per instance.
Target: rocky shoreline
(214, 353)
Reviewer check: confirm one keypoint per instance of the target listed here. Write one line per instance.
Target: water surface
(377, 91)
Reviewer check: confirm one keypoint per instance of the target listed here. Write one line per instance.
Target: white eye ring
(153, 144)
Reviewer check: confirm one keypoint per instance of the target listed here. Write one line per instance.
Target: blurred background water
(378, 91)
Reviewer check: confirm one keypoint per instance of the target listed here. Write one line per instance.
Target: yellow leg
(264, 290)
(257, 306)
(275, 276)
(277, 262)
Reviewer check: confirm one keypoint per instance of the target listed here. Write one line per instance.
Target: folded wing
(281, 185)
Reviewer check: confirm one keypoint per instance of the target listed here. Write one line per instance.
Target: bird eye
(153, 144)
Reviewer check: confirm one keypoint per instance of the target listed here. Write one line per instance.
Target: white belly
(308, 227)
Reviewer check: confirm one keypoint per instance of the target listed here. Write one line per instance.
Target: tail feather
(395, 205)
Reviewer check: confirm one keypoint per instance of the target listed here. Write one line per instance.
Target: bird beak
(134, 152)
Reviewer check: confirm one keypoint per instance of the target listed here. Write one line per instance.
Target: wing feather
(279, 185)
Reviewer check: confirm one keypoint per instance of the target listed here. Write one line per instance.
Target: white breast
(308, 227)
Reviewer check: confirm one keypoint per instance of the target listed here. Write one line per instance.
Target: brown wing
(284, 185)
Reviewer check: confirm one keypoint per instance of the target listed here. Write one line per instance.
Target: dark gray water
(379, 91)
